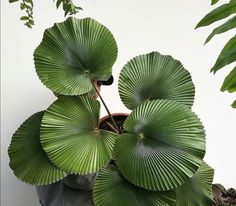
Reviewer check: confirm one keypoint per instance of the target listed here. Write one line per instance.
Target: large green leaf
(230, 24)
(73, 53)
(198, 189)
(230, 82)
(154, 76)
(227, 55)
(71, 138)
(27, 158)
(163, 145)
(111, 188)
(219, 13)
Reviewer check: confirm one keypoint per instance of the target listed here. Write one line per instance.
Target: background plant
(228, 53)
(222, 196)
(27, 5)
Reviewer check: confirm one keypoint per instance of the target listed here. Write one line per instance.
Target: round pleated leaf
(73, 53)
(154, 76)
(71, 138)
(198, 189)
(27, 158)
(111, 188)
(163, 145)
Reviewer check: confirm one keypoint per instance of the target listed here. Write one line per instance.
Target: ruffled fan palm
(157, 156)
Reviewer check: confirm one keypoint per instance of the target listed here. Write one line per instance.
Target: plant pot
(106, 122)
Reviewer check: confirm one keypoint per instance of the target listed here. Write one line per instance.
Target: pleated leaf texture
(162, 147)
(198, 189)
(73, 53)
(27, 158)
(71, 137)
(155, 76)
(111, 188)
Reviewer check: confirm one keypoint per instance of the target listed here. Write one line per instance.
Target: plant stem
(112, 127)
(104, 104)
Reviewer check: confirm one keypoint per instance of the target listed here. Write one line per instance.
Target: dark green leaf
(230, 82)
(28, 7)
(24, 18)
(71, 138)
(22, 6)
(227, 55)
(11, 1)
(154, 76)
(230, 24)
(73, 53)
(65, 6)
(162, 147)
(217, 14)
(234, 104)
(214, 2)
(198, 189)
(31, 21)
(78, 8)
(29, 1)
(27, 158)
(59, 3)
(66, 11)
(28, 25)
(112, 189)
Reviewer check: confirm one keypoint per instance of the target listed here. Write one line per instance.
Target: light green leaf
(217, 14)
(73, 53)
(230, 24)
(162, 147)
(111, 188)
(71, 137)
(198, 189)
(230, 82)
(227, 55)
(154, 76)
(27, 158)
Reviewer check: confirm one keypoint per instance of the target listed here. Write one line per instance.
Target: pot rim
(103, 119)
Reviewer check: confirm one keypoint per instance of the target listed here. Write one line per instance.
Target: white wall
(139, 27)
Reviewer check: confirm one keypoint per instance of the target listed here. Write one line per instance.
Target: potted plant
(152, 156)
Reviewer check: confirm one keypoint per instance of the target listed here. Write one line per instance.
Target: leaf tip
(223, 89)
(234, 105)
(213, 70)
